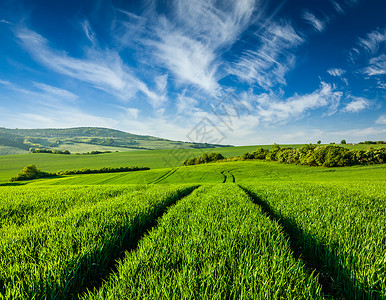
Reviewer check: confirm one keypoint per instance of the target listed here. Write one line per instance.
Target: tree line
(38, 150)
(32, 172)
(309, 154)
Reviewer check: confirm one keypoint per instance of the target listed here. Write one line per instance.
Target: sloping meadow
(340, 229)
(54, 242)
(280, 232)
(214, 244)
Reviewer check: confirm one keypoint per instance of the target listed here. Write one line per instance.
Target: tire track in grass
(225, 177)
(330, 285)
(233, 177)
(214, 244)
(164, 176)
(229, 177)
(130, 243)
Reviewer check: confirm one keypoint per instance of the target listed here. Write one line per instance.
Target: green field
(10, 165)
(235, 230)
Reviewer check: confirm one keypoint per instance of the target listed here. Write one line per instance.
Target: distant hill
(85, 139)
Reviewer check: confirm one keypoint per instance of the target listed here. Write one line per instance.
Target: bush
(260, 153)
(31, 172)
(203, 159)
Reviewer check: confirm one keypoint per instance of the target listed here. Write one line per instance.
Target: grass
(214, 244)
(339, 228)
(56, 241)
(7, 150)
(290, 227)
(241, 171)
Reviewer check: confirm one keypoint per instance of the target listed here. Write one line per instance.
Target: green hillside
(85, 139)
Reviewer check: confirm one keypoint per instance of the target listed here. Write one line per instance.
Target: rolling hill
(85, 139)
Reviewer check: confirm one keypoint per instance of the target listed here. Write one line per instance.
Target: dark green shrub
(31, 172)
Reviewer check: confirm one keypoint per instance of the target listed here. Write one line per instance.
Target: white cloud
(336, 72)
(186, 105)
(55, 92)
(314, 21)
(132, 112)
(189, 60)
(214, 24)
(370, 54)
(268, 65)
(377, 66)
(356, 105)
(4, 82)
(103, 69)
(381, 120)
(5, 22)
(189, 40)
(53, 115)
(271, 109)
(17, 88)
(161, 83)
(362, 134)
(88, 31)
(337, 6)
(373, 41)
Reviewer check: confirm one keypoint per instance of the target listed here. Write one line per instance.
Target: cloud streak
(336, 72)
(313, 21)
(271, 109)
(55, 92)
(189, 40)
(381, 120)
(102, 69)
(356, 105)
(268, 65)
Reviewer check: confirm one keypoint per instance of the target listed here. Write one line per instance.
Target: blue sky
(233, 72)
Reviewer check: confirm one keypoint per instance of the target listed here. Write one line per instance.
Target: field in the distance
(10, 165)
(236, 230)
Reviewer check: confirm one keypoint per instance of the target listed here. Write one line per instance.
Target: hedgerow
(32, 172)
(309, 154)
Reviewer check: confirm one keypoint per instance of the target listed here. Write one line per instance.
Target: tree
(319, 142)
(343, 142)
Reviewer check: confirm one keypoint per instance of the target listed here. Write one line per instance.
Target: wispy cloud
(373, 41)
(336, 72)
(4, 82)
(377, 66)
(268, 65)
(58, 118)
(55, 92)
(189, 60)
(5, 22)
(49, 107)
(103, 69)
(186, 105)
(314, 21)
(356, 105)
(189, 40)
(371, 49)
(17, 88)
(337, 6)
(273, 110)
(88, 31)
(381, 120)
(132, 112)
